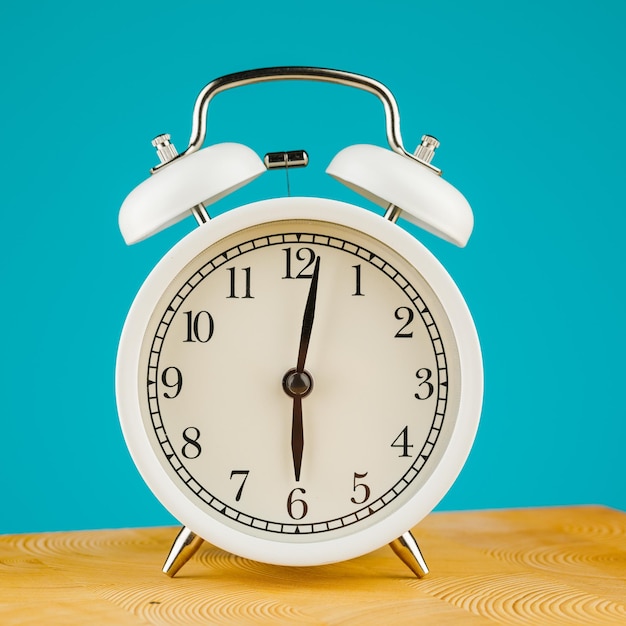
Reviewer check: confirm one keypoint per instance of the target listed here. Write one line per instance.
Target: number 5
(366, 489)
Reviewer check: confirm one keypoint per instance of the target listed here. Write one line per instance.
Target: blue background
(528, 102)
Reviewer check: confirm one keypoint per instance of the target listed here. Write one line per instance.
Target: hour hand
(297, 436)
(297, 385)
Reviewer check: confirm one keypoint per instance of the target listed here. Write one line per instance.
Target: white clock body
(393, 356)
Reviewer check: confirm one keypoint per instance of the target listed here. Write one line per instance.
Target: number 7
(243, 473)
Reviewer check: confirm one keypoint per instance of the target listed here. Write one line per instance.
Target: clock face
(298, 381)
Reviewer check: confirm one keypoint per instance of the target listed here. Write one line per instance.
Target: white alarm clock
(299, 381)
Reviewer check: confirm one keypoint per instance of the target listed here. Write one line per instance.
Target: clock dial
(298, 380)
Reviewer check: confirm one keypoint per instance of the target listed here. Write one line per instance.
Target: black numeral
(191, 449)
(176, 383)
(233, 290)
(304, 255)
(365, 490)
(402, 441)
(199, 326)
(299, 504)
(424, 376)
(243, 473)
(403, 313)
(357, 289)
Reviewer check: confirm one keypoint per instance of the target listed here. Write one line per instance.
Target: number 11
(246, 271)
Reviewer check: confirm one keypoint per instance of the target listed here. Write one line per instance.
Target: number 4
(402, 441)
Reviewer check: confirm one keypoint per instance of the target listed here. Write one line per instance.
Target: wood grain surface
(531, 566)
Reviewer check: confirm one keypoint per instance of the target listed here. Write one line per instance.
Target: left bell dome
(171, 192)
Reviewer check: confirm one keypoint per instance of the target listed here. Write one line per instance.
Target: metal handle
(250, 77)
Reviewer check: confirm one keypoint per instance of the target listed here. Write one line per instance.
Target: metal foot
(408, 552)
(184, 547)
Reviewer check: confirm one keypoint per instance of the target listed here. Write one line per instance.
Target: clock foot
(184, 547)
(408, 552)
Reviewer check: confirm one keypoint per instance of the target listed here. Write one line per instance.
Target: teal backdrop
(527, 99)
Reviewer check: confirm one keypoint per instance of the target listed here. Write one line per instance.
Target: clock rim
(273, 550)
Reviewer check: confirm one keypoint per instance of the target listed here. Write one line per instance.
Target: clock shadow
(218, 587)
(211, 562)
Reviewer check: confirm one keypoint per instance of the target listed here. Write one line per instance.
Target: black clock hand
(297, 436)
(307, 320)
(298, 383)
(296, 386)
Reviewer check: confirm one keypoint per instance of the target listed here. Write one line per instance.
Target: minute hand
(307, 319)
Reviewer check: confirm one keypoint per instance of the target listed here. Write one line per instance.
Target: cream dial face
(346, 441)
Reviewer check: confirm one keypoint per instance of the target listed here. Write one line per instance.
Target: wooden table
(531, 566)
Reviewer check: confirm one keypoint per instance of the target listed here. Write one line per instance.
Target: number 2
(400, 316)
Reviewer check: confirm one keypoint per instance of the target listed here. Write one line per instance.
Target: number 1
(357, 270)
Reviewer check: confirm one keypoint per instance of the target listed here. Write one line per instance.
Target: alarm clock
(299, 380)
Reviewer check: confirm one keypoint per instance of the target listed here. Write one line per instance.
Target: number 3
(424, 375)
